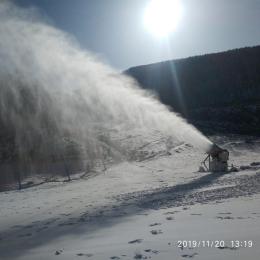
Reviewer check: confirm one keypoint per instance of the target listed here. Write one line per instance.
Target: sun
(161, 17)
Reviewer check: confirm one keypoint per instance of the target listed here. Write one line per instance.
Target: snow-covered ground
(140, 210)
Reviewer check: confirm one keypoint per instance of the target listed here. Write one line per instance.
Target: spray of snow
(51, 89)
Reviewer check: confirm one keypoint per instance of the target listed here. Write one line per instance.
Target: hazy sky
(114, 29)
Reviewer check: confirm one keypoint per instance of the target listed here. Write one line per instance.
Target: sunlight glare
(162, 16)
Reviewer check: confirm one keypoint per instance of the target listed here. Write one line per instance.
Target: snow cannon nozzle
(215, 150)
(217, 159)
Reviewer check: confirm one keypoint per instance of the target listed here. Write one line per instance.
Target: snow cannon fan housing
(217, 159)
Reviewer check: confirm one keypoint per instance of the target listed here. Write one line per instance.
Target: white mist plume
(50, 89)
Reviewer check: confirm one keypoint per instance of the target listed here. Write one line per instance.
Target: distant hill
(217, 92)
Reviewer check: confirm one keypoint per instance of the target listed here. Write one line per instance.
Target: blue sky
(114, 30)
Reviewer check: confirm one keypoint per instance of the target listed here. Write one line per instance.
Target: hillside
(217, 92)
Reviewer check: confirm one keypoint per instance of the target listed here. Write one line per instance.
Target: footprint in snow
(222, 218)
(87, 255)
(189, 256)
(156, 232)
(115, 257)
(171, 212)
(228, 247)
(58, 252)
(155, 224)
(170, 218)
(151, 251)
(139, 256)
(136, 241)
(243, 217)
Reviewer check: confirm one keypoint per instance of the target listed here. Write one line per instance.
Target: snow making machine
(217, 159)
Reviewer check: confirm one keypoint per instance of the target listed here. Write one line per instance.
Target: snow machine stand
(216, 160)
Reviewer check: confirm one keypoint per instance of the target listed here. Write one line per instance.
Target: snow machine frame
(216, 160)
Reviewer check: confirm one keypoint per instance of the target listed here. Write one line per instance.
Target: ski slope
(140, 209)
